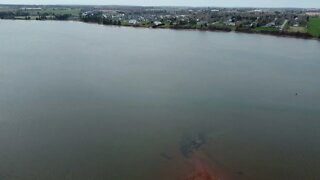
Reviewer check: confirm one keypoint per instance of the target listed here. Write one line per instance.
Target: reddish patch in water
(201, 171)
(204, 170)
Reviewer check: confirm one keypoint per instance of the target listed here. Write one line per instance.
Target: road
(284, 25)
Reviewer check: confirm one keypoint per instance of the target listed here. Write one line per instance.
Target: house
(202, 23)
(272, 24)
(157, 23)
(313, 13)
(133, 22)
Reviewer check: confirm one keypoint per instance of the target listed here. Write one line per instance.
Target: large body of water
(83, 101)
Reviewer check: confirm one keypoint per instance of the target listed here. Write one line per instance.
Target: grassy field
(57, 11)
(50, 11)
(297, 29)
(72, 11)
(266, 29)
(4, 8)
(314, 26)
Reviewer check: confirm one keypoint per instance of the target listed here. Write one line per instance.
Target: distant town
(303, 23)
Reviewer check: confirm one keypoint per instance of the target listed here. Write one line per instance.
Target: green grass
(314, 26)
(72, 11)
(56, 11)
(4, 9)
(297, 29)
(75, 12)
(269, 29)
(20, 17)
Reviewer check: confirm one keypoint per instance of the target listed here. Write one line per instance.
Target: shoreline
(278, 34)
(275, 34)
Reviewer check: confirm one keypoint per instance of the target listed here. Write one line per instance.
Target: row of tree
(27, 15)
(7, 15)
(100, 19)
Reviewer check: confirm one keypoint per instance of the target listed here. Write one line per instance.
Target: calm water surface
(82, 101)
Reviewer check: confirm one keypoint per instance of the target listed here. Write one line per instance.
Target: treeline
(204, 26)
(62, 16)
(38, 16)
(98, 18)
(7, 15)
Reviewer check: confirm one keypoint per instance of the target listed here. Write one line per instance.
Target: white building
(157, 23)
(133, 22)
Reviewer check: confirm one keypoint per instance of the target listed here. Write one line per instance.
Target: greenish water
(83, 101)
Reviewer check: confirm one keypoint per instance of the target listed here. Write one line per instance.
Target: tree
(7, 15)
(62, 16)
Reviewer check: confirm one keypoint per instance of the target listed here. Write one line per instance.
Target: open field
(72, 11)
(54, 11)
(297, 29)
(314, 26)
(266, 29)
(18, 12)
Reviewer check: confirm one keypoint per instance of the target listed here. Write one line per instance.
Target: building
(133, 22)
(157, 23)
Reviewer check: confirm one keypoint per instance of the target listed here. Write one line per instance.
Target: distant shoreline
(287, 22)
(276, 34)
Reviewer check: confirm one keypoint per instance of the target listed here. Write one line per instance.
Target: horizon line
(190, 6)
